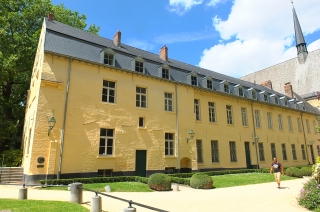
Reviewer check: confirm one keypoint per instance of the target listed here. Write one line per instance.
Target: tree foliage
(20, 26)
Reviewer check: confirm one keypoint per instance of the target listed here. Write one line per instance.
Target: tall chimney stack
(164, 53)
(267, 84)
(288, 89)
(117, 38)
(50, 16)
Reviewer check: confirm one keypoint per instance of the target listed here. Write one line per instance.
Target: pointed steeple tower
(300, 42)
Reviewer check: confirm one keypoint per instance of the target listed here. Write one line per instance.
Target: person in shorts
(276, 167)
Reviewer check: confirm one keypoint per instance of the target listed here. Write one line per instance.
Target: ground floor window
(303, 152)
(106, 141)
(261, 152)
(170, 170)
(105, 173)
(199, 151)
(284, 151)
(233, 152)
(294, 154)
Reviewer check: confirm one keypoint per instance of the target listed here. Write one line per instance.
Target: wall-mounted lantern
(191, 134)
(311, 142)
(51, 124)
(256, 140)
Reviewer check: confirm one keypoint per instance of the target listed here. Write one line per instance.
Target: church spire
(300, 42)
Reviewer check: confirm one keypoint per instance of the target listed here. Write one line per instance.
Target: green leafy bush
(201, 181)
(178, 180)
(159, 182)
(306, 171)
(12, 158)
(309, 195)
(292, 171)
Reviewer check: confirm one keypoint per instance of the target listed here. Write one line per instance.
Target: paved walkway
(260, 197)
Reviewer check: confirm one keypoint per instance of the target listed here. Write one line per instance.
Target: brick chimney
(117, 38)
(164, 53)
(288, 89)
(267, 84)
(50, 16)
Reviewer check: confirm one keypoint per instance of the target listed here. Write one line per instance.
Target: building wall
(86, 114)
(303, 77)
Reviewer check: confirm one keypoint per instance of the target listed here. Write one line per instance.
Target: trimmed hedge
(95, 180)
(178, 180)
(201, 181)
(159, 182)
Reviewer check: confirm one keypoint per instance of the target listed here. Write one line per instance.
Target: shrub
(201, 181)
(159, 182)
(292, 171)
(12, 158)
(306, 171)
(309, 195)
(180, 180)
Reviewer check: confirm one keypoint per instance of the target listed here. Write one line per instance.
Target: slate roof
(69, 41)
(297, 29)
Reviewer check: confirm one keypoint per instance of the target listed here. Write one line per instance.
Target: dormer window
(265, 97)
(238, 90)
(254, 94)
(193, 78)
(276, 100)
(241, 93)
(224, 86)
(108, 56)
(164, 71)
(207, 82)
(138, 64)
(292, 103)
(300, 106)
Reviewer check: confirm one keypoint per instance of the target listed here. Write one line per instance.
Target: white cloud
(215, 2)
(181, 6)
(314, 45)
(183, 37)
(141, 44)
(263, 32)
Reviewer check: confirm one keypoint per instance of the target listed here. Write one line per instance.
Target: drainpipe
(305, 139)
(64, 120)
(254, 134)
(177, 129)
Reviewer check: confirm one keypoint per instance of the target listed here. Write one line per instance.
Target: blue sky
(231, 37)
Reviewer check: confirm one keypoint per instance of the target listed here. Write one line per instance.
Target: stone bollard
(175, 187)
(129, 210)
(96, 205)
(76, 193)
(23, 193)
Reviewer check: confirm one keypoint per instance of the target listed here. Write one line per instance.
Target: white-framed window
(141, 122)
(233, 151)
(269, 117)
(199, 151)
(254, 94)
(226, 88)
(168, 102)
(141, 97)
(165, 73)
(294, 153)
(273, 150)
(169, 144)
(197, 109)
(244, 116)
(212, 112)
(303, 151)
(280, 122)
(194, 80)
(229, 114)
(241, 93)
(138, 66)
(308, 126)
(276, 100)
(265, 97)
(261, 152)
(314, 127)
(299, 125)
(108, 57)
(257, 116)
(318, 148)
(209, 84)
(284, 152)
(215, 152)
(108, 91)
(289, 123)
(106, 141)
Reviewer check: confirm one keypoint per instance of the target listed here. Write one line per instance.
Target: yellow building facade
(130, 112)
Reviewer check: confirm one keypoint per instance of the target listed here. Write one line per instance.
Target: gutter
(64, 120)
(254, 134)
(305, 139)
(177, 128)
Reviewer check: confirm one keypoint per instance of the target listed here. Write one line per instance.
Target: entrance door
(141, 163)
(312, 155)
(248, 158)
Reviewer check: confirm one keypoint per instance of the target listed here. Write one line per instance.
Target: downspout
(177, 129)
(254, 134)
(64, 120)
(305, 139)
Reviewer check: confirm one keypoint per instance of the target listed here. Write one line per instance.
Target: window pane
(101, 151)
(103, 132)
(109, 150)
(110, 142)
(102, 142)
(110, 132)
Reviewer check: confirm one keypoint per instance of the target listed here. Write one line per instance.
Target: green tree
(20, 26)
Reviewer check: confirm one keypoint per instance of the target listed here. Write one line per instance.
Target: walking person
(276, 167)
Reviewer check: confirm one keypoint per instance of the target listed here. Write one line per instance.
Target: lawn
(230, 180)
(39, 206)
(115, 187)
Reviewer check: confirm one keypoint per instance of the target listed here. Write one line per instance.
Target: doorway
(312, 154)
(141, 163)
(247, 151)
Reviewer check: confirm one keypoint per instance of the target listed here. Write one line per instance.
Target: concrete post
(129, 210)
(23, 193)
(96, 205)
(175, 187)
(76, 193)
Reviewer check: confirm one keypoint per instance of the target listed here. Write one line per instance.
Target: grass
(39, 206)
(115, 187)
(224, 181)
